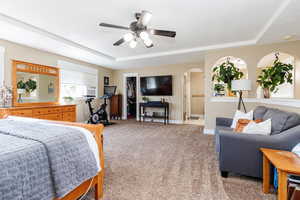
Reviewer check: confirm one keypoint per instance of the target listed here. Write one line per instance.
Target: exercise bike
(100, 116)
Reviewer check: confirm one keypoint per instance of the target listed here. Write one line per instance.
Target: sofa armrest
(240, 152)
(223, 121)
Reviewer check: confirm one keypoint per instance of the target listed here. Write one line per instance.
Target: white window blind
(77, 80)
(2, 60)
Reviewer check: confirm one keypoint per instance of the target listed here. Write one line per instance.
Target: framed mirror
(34, 84)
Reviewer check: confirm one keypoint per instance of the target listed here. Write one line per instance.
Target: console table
(154, 104)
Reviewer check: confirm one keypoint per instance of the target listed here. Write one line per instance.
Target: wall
(177, 71)
(15, 51)
(197, 93)
(251, 55)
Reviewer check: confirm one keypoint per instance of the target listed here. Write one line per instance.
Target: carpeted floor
(174, 162)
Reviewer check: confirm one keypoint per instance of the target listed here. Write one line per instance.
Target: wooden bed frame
(98, 180)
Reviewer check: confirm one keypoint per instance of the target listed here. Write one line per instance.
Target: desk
(155, 104)
(286, 163)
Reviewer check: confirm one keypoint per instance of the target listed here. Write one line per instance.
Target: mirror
(35, 88)
(34, 84)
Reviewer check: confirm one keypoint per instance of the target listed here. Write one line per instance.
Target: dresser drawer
(54, 110)
(21, 113)
(50, 117)
(69, 116)
(69, 109)
(40, 111)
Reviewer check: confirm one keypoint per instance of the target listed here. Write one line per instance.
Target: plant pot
(20, 91)
(266, 92)
(229, 93)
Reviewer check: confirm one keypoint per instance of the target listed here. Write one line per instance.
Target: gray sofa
(239, 152)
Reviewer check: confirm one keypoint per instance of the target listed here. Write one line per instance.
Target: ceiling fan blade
(113, 26)
(145, 18)
(119, 42)
(163, 33)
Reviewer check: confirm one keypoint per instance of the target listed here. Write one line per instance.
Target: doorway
(193, 97)
(131, 88)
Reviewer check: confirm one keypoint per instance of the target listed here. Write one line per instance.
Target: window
(77, 80)
(2, 52)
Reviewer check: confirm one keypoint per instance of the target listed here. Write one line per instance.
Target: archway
(219, 88)
(285, 90)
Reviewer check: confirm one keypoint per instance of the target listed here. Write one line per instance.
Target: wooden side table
(286, 163)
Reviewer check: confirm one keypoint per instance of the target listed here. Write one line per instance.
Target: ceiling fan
(138, 29)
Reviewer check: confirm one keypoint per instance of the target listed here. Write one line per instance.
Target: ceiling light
(144, 35)
(128, 37)
(132, 43)
(148, 42)
(146, 17)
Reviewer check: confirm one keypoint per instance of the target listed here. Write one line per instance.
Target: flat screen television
(156, 86)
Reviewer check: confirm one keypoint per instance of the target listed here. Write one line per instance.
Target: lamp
(240, 86)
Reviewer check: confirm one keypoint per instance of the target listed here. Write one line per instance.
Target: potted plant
(145, 99)
(273, 76)
(30, 85)
(219, 88)
(68, 99)
(226, 73)
(21, 86)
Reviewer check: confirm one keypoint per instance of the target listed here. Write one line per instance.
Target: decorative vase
(266, 92)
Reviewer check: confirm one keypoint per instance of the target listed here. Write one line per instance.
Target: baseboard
(209, 131)
(196, 115)
(161, 121)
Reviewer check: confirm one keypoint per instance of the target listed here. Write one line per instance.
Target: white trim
(45, 33)
(273, 18)
(125, 75)
(161, 121)
(2, 64)
(196, 115)
(208, 131)
(271, 101)
(190, 50)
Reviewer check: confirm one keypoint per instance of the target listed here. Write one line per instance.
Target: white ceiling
(70, 28)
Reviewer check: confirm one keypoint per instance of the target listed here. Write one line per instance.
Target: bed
(27, 145)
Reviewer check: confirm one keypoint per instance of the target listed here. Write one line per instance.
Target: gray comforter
(42, 161)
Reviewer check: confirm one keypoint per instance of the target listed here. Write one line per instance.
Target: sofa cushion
(259, 112)
(278, 119)
(292, 121)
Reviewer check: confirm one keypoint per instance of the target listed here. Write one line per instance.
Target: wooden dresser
(49, 112)
(116, 107)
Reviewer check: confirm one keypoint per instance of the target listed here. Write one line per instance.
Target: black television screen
(156, 86)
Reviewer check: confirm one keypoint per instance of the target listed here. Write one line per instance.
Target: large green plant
(29, 85)
(226, 73)
(273, 76)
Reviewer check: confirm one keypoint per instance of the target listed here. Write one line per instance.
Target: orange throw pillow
(244, 122)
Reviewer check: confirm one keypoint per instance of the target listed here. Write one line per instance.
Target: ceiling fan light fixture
(144, 35)
(132, 43)
(146, 17)
(148, 42)
(128, 37)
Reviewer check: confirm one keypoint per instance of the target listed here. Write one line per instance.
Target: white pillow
(262, 128)
(241, 115)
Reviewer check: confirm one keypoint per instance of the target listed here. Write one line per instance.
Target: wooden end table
(286, 163)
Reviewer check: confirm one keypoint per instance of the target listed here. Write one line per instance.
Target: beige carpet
(175, 162)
